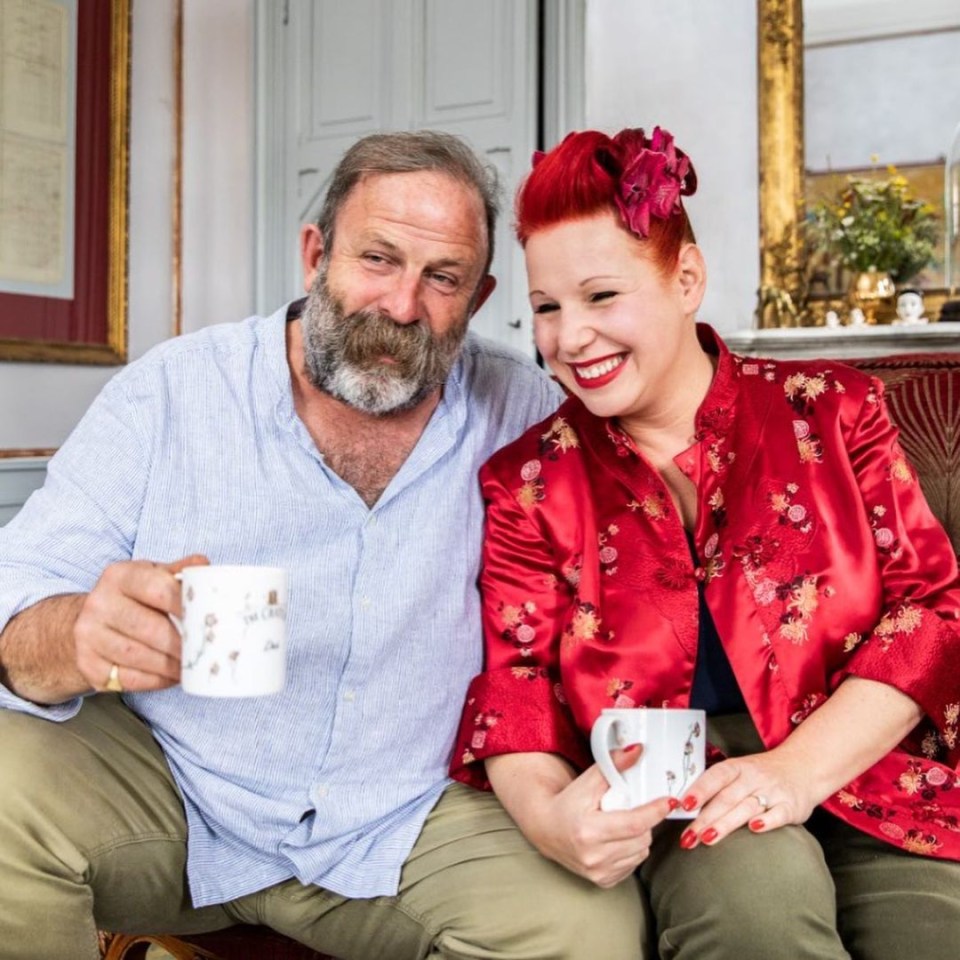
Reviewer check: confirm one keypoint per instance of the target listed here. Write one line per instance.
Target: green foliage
(876, 224)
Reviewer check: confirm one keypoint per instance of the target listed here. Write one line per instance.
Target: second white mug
(674, 748)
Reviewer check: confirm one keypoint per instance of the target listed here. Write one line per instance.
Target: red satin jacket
(820, 559)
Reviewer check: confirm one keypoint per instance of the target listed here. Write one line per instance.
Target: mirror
(868, 93)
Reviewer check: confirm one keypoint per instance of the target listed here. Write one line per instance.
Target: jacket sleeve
(915, 646)
(517, 704)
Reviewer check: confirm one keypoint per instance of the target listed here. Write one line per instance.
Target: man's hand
(561, 816)
(124, 621)
(66, 645)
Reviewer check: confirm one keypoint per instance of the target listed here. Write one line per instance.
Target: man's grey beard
(344, 354)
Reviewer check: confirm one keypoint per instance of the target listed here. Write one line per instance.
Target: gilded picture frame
(88, 325)
(784, 297)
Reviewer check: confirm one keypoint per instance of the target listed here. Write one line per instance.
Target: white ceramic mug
(674, 747)
(233, 630)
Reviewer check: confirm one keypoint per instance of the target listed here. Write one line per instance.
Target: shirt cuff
(514, 710)
(916, 651)
(56, 711)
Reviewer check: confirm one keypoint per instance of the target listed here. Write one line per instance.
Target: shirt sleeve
(915, 646)
(81, 520)
(517, 704)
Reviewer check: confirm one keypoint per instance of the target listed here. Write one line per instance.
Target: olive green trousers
(92, 834)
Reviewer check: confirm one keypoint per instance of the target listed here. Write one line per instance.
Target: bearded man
(338, 438)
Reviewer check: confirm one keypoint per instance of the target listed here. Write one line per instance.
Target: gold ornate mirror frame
(783, 296)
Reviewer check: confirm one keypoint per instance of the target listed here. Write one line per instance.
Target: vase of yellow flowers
(880, 232)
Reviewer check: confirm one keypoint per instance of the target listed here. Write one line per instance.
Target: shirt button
(365, 601)
(349, 695)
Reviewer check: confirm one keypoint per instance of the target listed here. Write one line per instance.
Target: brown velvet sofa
(923, 394)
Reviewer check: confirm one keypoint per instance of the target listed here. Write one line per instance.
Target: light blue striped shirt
(197, 448)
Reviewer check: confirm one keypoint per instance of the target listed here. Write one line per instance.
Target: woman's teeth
(599, 369)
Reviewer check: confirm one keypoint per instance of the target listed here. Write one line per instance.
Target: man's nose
(401, 301)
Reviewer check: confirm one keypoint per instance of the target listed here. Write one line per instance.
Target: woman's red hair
(579, 178)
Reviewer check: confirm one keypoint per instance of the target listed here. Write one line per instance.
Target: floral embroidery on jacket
(905, 620)
(887, 542)
(794, 514)
(560, 438)
(532, 491)
(617, 692)
(800, 595)
(608, 553)
(809, 445)
(900, 471)
(807, 706)
(718, 509)
(584, 625)
(515, 629)
(802, 391)
(951, 714)
(654, 505)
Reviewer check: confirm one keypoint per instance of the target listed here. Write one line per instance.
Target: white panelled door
(347, 69)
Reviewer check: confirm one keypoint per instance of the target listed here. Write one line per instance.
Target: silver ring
(763, 801)
(113, 683)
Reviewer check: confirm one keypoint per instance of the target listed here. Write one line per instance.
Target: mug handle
(176, 621)
(617, 797)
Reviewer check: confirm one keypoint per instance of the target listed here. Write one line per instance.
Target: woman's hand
(862, 721)
(563, 820)
(763, 790)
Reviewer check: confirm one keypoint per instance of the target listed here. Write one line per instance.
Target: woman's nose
(574, 335)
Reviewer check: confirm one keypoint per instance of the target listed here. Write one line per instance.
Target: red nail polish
(688, 840)
(757, 824)
(690, 802)
(673, 803)
(709, 835)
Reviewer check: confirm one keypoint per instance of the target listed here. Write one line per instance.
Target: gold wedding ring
(113, 683)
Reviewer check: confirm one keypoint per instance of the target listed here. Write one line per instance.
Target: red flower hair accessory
(653, 176)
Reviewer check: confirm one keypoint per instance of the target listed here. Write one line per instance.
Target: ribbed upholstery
(923, 395)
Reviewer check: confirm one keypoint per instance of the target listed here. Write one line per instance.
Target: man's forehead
(429, 203)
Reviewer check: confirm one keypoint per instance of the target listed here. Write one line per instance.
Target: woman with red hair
(697, 529)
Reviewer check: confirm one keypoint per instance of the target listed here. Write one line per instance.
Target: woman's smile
(598, 373)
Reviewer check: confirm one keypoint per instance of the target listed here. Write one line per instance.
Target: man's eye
(445, 279)
(375, 258)
(602, 295)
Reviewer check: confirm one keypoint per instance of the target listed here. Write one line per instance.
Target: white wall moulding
(812, 342)
(843, 21)
(19, 477)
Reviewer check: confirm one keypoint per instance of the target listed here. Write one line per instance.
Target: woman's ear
(692, 276)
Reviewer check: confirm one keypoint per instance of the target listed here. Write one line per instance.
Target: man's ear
(487, 286)
(311, 252)
(692, 276)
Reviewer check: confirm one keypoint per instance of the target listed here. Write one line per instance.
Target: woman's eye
(602, 295)
(545, 308)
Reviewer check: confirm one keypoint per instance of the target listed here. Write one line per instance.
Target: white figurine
(910, 308)
(857, 318)
(832, 319)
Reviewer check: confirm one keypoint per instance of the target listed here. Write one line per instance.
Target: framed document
(64, 156)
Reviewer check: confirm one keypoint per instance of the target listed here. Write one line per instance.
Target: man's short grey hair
(411, 152)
